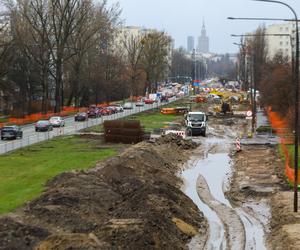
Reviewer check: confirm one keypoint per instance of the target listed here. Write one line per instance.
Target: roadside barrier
(238, 144)
(280, 125)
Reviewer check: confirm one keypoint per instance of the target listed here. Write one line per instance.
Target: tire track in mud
(233, 225)
(230, 227)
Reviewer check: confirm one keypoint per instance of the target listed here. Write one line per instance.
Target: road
(71, 127)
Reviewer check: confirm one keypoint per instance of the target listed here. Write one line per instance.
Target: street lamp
(296, 80)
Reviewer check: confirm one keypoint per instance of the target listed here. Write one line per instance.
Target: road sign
(249, 113)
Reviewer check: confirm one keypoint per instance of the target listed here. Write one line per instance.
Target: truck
(196, 123)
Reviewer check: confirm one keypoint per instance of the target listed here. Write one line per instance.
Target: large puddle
(215, 168)
(210, 169)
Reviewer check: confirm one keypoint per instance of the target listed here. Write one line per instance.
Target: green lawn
(291, 151)
(24, 172)
(150, 119)
(154, 119)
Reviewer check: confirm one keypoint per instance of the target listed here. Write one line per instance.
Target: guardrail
(76, 126)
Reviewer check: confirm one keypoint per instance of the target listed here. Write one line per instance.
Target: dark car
(43, 125)
(80, 117)
(11, 132)
(164, 98)
(94, 112)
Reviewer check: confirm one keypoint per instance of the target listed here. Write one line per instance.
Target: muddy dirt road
(207, 182)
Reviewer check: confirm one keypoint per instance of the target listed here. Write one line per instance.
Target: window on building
(280, 43)
(286, 28)
(281, 28)
(287, 43)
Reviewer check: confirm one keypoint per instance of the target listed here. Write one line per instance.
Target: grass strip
(23, 173)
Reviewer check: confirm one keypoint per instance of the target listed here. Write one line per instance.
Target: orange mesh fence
(66, 111)
(279, 124)
(40, 116)
(281, 127)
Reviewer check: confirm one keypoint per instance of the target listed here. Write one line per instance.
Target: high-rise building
(203, 41)
(190, 44)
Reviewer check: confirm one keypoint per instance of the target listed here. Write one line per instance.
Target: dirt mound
(178, 140)
(132, 201)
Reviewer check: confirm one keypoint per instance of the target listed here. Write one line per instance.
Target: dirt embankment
(259, 179)
(132, 201)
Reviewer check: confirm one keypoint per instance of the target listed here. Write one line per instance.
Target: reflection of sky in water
(214, 169)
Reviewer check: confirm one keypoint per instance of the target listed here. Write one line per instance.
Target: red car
(149, 101)
(105, 111)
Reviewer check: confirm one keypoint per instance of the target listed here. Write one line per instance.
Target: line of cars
(96, 112)
(15, 132)
(48, 125)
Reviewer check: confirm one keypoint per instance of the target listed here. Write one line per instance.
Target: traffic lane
(30, 136)
(29, 130)
(71, 125)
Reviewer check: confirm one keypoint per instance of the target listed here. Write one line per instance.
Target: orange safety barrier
(40, 116)
(281, 127)
(168, 111)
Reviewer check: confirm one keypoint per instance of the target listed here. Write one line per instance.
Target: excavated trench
(206, 181)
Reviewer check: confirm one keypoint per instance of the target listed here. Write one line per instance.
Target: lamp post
(296, 80)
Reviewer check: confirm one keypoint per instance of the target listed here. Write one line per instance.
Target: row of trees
(201, 69)
(69, 52)
(271, 76)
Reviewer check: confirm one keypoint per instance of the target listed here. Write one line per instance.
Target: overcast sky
(181, 18)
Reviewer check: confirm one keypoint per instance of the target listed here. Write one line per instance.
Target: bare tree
(156, 58)
(91, 42)
(134, 48)
(181, 64)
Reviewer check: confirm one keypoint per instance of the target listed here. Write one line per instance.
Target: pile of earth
(132, 201)
(178, 140)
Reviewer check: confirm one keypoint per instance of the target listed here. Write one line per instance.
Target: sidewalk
(261, 138)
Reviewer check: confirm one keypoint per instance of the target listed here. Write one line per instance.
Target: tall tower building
(190, 44)
(203, 41)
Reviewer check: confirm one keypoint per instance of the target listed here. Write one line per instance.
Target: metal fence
(73, 128)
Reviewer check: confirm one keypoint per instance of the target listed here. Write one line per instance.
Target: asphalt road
(71, 127)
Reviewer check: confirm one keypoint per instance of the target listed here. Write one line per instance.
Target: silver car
(57, 121)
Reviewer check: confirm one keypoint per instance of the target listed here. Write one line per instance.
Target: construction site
(169, 190)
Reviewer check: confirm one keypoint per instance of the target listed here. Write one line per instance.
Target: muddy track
(231, 221)
(207, 178)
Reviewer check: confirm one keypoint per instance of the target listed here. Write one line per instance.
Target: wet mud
(208, 180)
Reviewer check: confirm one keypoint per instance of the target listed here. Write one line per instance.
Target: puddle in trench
(216, 170)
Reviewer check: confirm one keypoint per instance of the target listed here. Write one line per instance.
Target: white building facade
(280, 43)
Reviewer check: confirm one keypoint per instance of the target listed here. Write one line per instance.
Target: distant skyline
(181, 19)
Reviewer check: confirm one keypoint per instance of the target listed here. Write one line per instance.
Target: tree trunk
(58, 84)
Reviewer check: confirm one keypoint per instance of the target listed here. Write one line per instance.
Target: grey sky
(181, 18)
